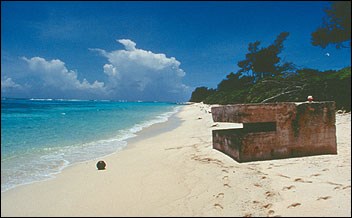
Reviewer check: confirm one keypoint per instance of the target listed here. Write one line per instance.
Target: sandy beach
(170, 169)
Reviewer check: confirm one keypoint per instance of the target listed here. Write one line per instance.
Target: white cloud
(110, 70)
(9, 84)
(129, 45)
(130, 74)
(142, 74)
(54, 74)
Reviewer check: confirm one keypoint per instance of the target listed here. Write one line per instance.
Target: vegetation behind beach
(264, 77)
(329, 85)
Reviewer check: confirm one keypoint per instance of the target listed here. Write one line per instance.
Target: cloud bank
(129, 74)
(54, 74)
(139, 74)
(8, 84)
(51, 79)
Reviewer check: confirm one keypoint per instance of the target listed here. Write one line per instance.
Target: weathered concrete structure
(276, 130)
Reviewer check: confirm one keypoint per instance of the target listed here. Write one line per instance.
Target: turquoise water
(40, 137)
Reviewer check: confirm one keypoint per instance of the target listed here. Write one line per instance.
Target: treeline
(263, 77)
(323, 86)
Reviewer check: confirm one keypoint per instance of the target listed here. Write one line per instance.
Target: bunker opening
(259, 127)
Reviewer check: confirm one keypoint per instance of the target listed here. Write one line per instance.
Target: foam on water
(39, 163)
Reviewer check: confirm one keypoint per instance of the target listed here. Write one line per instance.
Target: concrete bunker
(276, 130)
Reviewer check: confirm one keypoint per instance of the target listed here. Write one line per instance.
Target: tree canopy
(201, 93)
(264, 62)
(263, 78)
(328, 85)
(336, 28)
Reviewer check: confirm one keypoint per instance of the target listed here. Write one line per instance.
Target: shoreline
(155, 129)
(172, 170)
(157, 126)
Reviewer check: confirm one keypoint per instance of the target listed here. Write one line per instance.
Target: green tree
(336, 28)
(234, 82)
(265, 62)
(201, 93)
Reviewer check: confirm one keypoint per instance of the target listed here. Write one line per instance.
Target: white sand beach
(172, 170)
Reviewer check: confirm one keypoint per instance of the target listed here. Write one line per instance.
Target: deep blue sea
(40, 137)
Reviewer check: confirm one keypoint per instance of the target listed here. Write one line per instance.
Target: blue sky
(147, 50)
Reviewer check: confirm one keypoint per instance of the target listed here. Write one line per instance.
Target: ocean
(40, 137)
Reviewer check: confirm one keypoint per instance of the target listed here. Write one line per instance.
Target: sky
(147, 50)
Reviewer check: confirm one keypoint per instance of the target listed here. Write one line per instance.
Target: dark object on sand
(101, 165)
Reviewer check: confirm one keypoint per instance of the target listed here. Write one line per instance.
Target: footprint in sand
(326, 169)
(347, 186)
(267, 206)
(225, 177)
(207, 160)
(294, 205)
(288, 187)
(323, 198)
(260, 172)
(333, 183)
(255, 202)
(218, 206)
(227, 185)
(225, 171)
(220, 195)
(317, 174)
(284, 176)
(271, 212)
(269, 194)
(301, 180)
(257, 185)
(263, 177)
(247, 215)
(339, 186)
(173, 148)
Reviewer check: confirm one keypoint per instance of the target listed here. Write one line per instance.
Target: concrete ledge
(276, 130)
